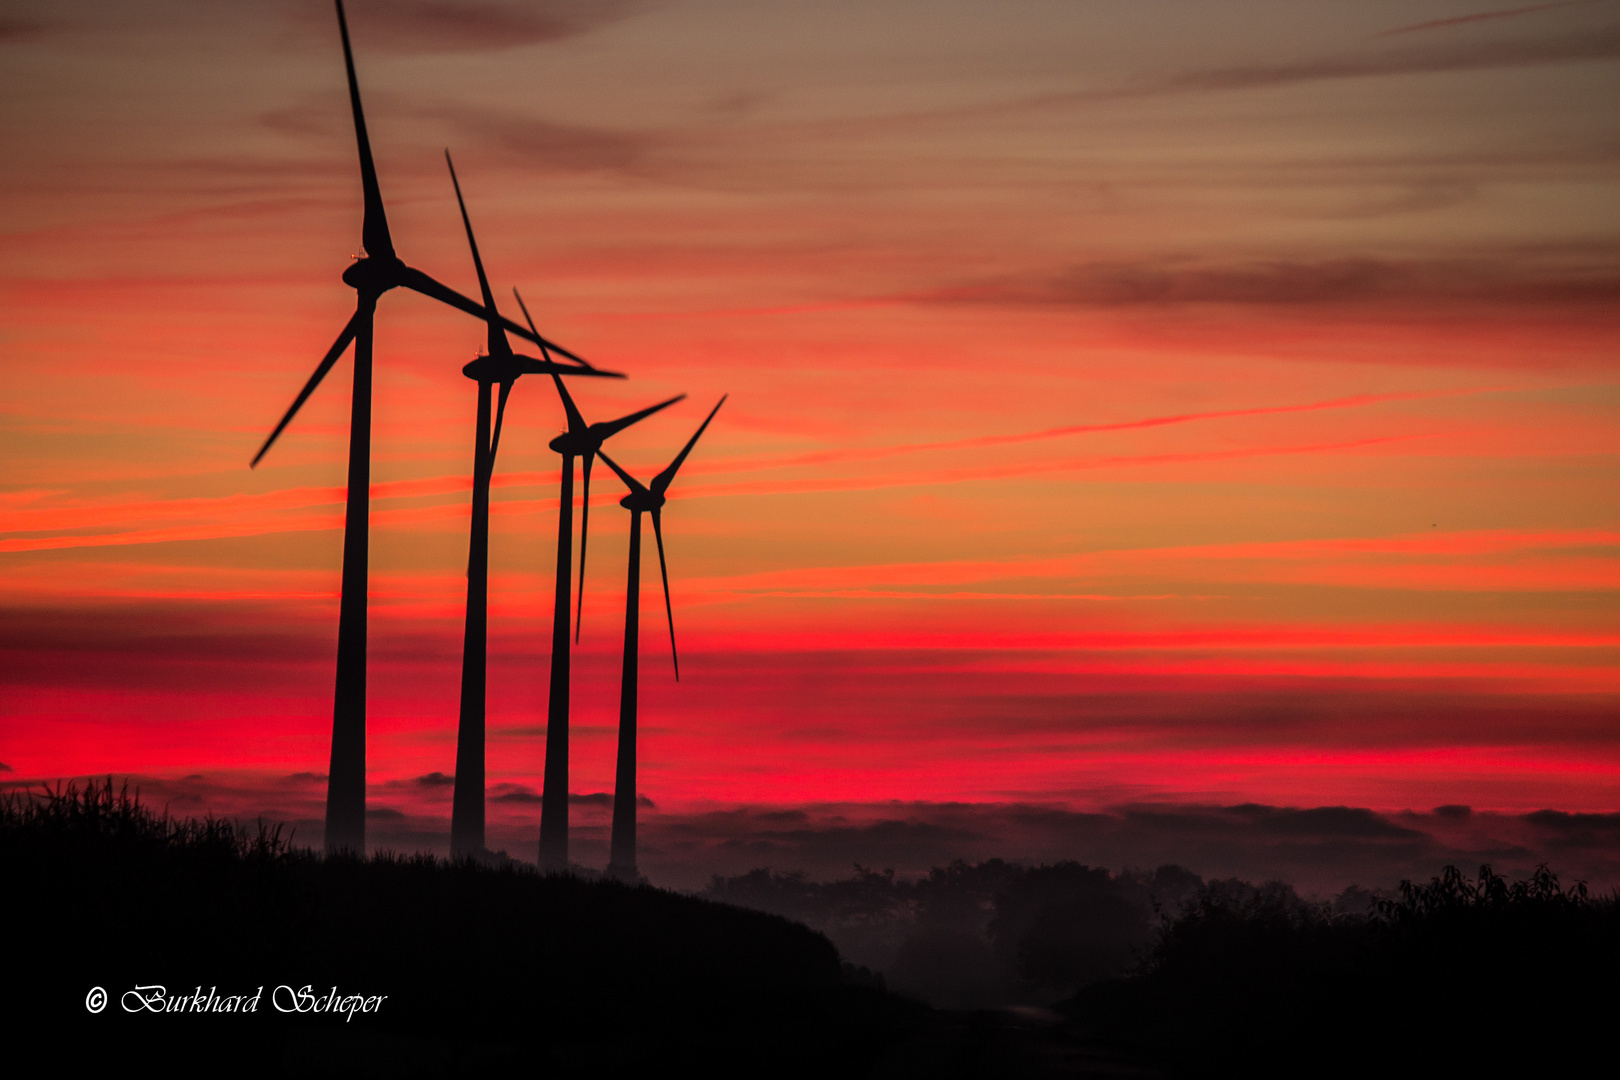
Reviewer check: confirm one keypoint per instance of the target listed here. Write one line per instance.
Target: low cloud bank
(1319, 850)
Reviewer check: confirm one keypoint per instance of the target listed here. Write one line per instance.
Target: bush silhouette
(1259, 981)
(978, 935)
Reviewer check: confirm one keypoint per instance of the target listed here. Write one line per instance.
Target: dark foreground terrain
(1477, 974)
(484, 970)
(449, 970)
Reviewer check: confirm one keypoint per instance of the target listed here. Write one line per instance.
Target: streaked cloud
(1486, 16)
(448, 26)
(20, 29)
(1577, 46)
(1583, 276)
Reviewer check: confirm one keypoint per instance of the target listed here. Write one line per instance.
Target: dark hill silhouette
(1483, 975)
(1225, 977)
(489, 969)
(483, 969)
(980, 935)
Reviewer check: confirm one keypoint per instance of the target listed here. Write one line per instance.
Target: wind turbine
(643, 499)
(373, 273)
(499, 365)
(581, 440)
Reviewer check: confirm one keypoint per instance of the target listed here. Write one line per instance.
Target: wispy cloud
(40, 519)
(1572, 46)
(1583, 275)
(441, 26)
(1484, 16)
(1482, 560)
(828, 457)
(213, 519)
(543, 144)
(16, 29)
(1075, 464)
(1376, 61)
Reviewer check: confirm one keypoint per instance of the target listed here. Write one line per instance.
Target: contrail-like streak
(828, 457)
(1481, 17)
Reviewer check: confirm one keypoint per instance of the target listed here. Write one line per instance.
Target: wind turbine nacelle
(372, 275)
(493, 369)
(645, 501)
(570, 444)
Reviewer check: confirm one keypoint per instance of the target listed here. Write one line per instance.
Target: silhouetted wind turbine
(498, 365)
(581, 440)
(642, 499)
(372, 274)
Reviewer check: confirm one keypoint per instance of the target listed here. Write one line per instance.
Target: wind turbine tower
(582, 441)
(377, 270)
(643, 499)
(500, 365)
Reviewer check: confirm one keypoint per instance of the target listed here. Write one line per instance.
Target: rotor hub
(646, 502)
(372, 275)
(570, 443)
(492, 369)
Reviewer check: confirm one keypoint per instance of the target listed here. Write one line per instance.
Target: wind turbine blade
(321, 369)
(498, 345)
(374, 226)
(629, 481)
(526, 316)
(417, 281)
(662, 481)
(584, 532)
(412, 278)
(500, 415)
(576, 422)
(534, 334)
(546, 343)
(669, 612)
(528, 365)
(610, 428)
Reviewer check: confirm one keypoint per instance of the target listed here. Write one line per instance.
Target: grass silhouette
(483, 968)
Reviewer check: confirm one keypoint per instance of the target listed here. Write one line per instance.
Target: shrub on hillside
(1259, 981)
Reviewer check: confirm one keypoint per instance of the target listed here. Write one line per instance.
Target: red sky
(1172, 402)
